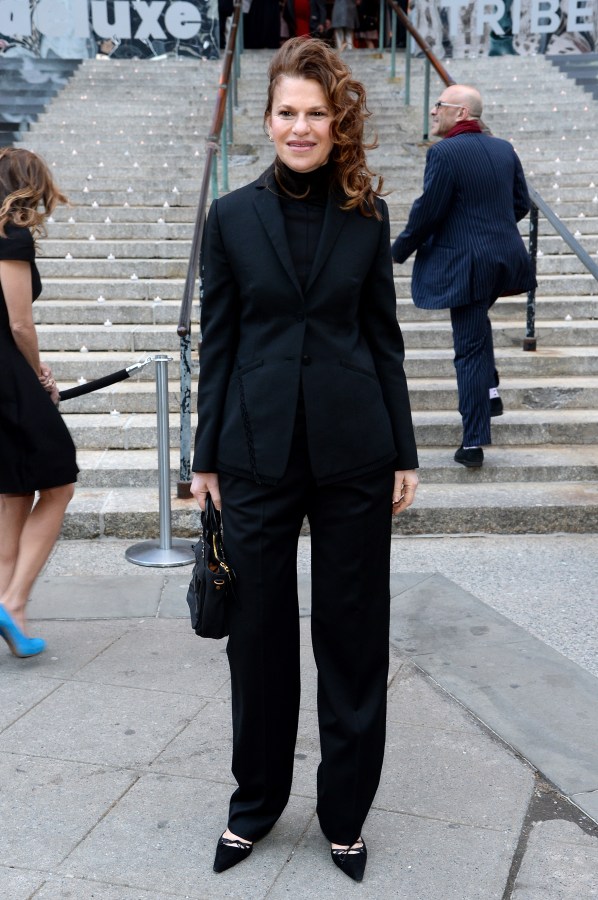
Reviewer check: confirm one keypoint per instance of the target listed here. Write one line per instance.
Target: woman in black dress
(303, 411)
(36, 449)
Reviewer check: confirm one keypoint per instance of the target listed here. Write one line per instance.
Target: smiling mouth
(300, 145)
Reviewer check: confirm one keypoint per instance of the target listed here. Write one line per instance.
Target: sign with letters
(461, 28)
(79, 29)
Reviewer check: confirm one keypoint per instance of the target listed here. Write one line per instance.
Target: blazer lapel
(268, 209)
(334, 221)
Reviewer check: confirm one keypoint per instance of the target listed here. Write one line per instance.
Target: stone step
(136, 279)
(92, 260)
(548, 286)
(545, 362)
(550, 362)
(547, 463)
(124, 227)
(99, 248)
(432, 428)
(511, 308)
(426, 394)
(421, 334)
(546, 264)
(119, 312)
(113, 338)
(144, 312)
(582, 332)
(94, 246)
(111, 269)
(520, 427)
(477, 507)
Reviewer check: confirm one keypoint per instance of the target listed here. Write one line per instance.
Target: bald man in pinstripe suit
(469, 250)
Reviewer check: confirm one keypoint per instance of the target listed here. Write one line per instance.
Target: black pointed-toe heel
(230, 852)
(351, 860)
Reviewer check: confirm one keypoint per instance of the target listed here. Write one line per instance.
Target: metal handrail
(217, 128)
(421, 42)
(538, 204)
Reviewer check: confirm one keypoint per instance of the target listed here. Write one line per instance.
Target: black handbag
(212, 586)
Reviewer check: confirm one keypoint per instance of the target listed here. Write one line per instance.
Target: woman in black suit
(303, 411)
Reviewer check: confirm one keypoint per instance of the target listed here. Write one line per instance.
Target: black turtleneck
(303, 197)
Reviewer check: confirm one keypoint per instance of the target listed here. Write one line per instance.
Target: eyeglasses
(440, 103)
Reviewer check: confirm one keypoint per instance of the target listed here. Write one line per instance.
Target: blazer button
(306, 360)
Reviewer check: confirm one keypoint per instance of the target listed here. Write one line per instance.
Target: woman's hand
(405, 487)
(46, 379)
(206, 483)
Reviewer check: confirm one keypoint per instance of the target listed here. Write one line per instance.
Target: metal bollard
(168, 551)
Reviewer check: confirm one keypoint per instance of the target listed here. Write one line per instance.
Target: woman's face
(299, 124)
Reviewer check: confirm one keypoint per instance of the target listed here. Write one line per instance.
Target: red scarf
(467, 125)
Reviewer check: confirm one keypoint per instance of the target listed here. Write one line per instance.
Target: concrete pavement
(115, 744)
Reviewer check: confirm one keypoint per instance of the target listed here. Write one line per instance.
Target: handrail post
(426, 97)
(393, 45)
(183, 484)
(381, 26)
(224, 148)
(214, 177)
(229, 113)
(408, 68)
(236, 72)
(529, 342)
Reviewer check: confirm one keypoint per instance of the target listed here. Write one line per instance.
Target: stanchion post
(529, 342)
(393, 46)
(426, 97)
(167, 551)
(224, 149)
(408, 68)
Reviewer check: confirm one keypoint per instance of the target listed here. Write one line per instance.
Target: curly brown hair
(310, 58)
(25, 185)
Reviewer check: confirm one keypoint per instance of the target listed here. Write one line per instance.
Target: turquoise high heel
(20, 645)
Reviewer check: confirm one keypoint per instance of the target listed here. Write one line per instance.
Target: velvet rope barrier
(105, 381)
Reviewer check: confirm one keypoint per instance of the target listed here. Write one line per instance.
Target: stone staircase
(27, 86)
(126, 140)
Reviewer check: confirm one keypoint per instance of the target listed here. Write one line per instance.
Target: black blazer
(263, 338)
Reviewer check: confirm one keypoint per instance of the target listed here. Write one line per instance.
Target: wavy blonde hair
(26, 185)
(310, 58)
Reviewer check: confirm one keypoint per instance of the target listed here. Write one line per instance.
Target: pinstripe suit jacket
(464, 225)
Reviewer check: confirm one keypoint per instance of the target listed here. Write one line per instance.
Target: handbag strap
(211, 521)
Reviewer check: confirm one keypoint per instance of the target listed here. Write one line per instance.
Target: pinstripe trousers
(475, 368)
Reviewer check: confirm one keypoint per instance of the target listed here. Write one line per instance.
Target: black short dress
(36, 449)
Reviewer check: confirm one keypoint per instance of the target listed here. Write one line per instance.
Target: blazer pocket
(244, 370)
(360, 371)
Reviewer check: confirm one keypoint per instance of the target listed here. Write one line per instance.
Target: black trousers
(350, 525)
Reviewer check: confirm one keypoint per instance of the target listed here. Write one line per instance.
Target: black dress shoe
(351, 860)
(230, 852)
(473, 457)
(496, 407)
